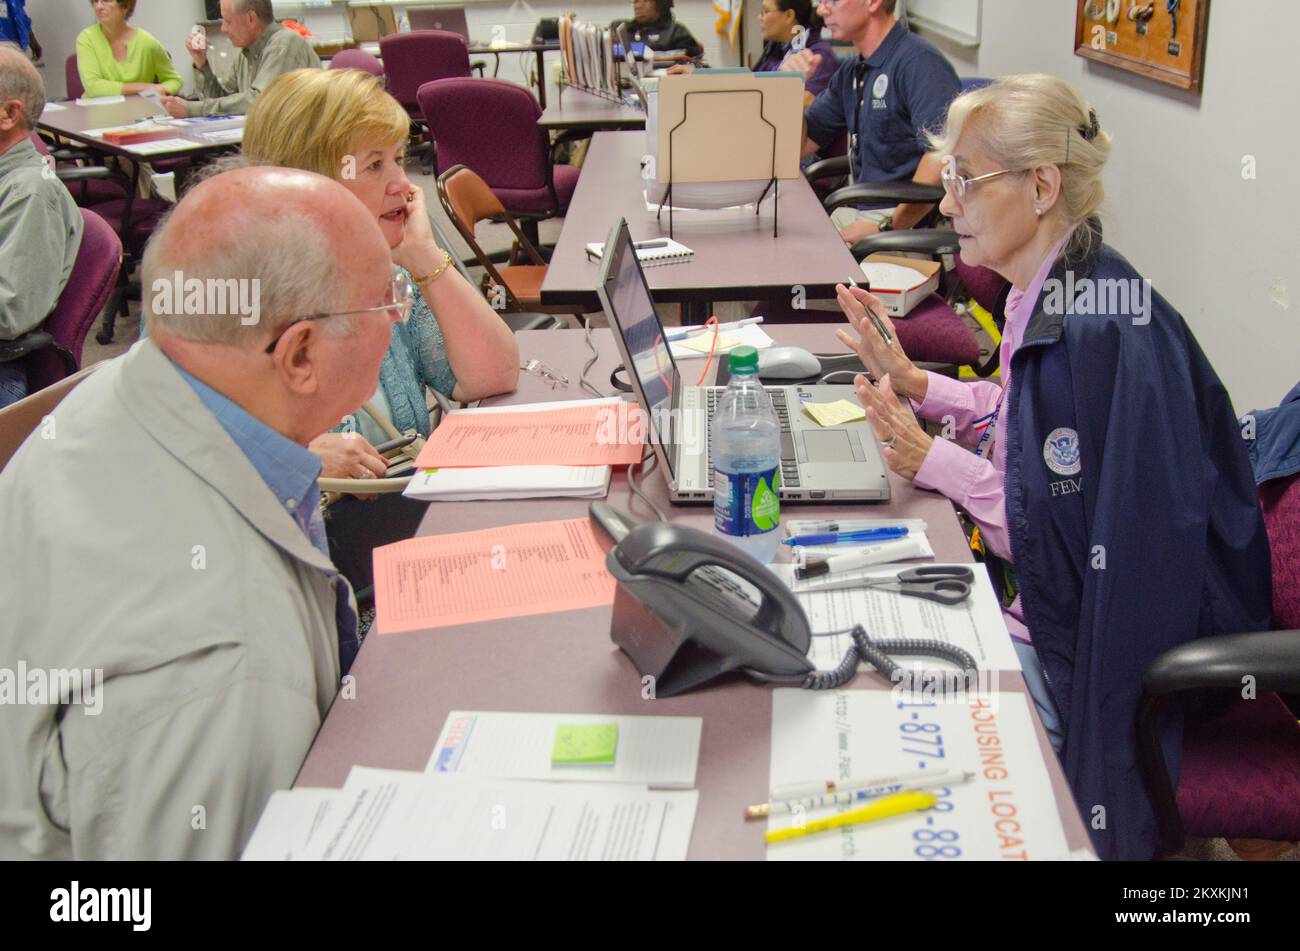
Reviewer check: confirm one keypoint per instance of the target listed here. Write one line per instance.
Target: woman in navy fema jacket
(1107, 471)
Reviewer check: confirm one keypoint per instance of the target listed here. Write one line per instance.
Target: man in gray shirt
(40, 226)
(267, 50)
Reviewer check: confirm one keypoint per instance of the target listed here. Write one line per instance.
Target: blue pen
(831, 538)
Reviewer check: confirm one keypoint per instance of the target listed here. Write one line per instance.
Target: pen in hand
(879, 324)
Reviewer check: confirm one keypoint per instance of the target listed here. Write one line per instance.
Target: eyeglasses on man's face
(397, 302)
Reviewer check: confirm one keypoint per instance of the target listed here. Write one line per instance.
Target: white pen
(803, 790)
(722, 328)
(811, 526)
(882, 553)
(847, 796)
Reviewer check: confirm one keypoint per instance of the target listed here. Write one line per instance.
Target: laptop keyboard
(789, 462)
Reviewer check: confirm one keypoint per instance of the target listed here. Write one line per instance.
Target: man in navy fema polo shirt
(897, 88)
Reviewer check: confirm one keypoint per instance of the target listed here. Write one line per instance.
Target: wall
(1223, 249)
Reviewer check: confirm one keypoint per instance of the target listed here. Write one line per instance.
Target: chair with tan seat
(19, 420)
(467, 200)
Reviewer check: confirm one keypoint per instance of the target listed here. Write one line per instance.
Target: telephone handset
(691, 607)
(684, 622)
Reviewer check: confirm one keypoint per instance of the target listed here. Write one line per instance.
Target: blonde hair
(313, 118)
(1027, 121)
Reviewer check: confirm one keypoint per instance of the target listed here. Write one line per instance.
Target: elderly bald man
(40, 227)
(172, 551)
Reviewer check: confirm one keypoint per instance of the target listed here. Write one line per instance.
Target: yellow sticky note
(701, 343)
(585, 744)
(835, 414)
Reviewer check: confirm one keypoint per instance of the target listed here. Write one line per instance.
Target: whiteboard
(955, 20)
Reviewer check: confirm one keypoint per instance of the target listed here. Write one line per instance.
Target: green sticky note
(585, 744)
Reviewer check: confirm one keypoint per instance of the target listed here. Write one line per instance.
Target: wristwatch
(887, 223)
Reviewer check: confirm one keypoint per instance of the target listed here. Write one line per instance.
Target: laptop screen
(632, 316)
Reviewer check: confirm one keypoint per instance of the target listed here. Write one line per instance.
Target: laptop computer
(833, 464)
(451, 19)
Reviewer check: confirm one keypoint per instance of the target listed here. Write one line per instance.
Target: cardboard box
(901, 300)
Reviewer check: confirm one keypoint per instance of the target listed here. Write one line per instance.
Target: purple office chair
(53, 350)
(511, 153)
(73, 76)
(357, 59)
(421, 56)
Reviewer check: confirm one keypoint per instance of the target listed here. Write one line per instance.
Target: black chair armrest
(518, 322)
(88, 173)
(932, 241)
(827, 168)
(480, 65)
(884, 193)
(1272, 658)
(29, 342)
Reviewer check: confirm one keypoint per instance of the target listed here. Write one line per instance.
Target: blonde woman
(341, 123)
(117, 59)
(1106, 472)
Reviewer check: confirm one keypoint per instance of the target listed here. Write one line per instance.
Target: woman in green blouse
(116, 59)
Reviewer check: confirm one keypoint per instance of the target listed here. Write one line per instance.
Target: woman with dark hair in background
(781, 21)
(654, 25)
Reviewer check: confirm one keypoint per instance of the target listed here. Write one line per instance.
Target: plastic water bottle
(746, 457)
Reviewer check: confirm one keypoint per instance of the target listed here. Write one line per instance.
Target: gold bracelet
(428, 278)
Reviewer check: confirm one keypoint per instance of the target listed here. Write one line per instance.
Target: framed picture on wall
(1163, 40)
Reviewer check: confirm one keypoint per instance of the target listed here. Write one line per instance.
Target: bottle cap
(743, 360)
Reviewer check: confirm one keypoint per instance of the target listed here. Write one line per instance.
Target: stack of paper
(507, 786)
(386, 815)
(511, 571)
(560, 449)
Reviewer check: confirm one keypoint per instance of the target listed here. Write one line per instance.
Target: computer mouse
(787, 363)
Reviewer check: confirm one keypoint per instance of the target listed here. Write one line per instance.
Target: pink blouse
(977, 482)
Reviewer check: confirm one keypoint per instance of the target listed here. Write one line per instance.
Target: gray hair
(262, 8)
(20, 80)
(286, 261)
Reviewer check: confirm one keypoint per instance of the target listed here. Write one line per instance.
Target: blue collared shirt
(291, 472)
(887, 101)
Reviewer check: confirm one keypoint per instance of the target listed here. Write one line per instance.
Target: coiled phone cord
(876, 653)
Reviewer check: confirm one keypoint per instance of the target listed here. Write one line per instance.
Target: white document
(288, 822)
(660, 752)
(390, 815)
(509, 482)
(749, 335)
(100, 100)
(160, 145)
(224, 136)
(975, 625)
(1007, 812)
(54, 107)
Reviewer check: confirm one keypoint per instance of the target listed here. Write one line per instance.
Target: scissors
(933, 582)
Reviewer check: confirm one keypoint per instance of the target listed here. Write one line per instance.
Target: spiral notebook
(650, 253)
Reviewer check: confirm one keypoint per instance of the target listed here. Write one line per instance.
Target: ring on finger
(889, 443)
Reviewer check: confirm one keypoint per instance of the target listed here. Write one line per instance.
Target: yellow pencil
(881, 809)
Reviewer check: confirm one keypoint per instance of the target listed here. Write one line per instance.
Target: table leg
(541, 78)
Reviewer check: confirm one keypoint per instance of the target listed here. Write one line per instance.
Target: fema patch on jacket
(1061, 452)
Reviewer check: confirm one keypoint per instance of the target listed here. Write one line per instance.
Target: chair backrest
(73, 76)
(94, 274)
(510, 152)
(19, 420)
(357, 59)
(988, 287)
(421, 56)
(1280, 502)
(467, 200)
